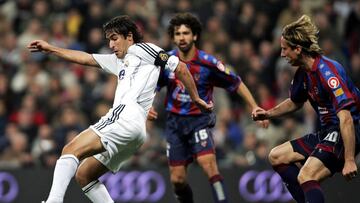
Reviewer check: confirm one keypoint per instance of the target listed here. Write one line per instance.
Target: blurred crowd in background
(45, 102)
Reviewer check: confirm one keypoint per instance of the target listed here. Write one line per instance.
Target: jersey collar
(316, 63)
(195, 58)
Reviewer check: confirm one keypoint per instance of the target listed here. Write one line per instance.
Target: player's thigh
(284, 154)
(208, 164)
(85, 144)
(89, 170)
(178, 147)
(313, 169)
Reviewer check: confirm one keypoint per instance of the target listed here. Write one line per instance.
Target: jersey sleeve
(108, 62)
(223, 77)
(152, 54)
(298, 89)
(333, 78)
(163, 79)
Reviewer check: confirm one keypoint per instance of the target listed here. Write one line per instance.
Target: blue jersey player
(324, 83)
(188, 131)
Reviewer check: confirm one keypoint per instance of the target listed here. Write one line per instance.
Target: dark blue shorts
(326, 145)
(188, 137)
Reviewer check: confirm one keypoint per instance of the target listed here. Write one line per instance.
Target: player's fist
(39, 45)
(350, 170)
(255, 116)
(259, 114)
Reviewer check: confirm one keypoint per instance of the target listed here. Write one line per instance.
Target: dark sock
(289, 173)
(313, 192)
(217, 187)
(184, 194)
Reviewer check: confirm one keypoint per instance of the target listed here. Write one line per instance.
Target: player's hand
(263, 124)
(39, 46)
(152, 115)
(350, 170)
(259, 114)
(260, 122)
(203, 106)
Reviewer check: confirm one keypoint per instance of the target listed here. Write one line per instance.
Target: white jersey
(137, 73)
(122, 129)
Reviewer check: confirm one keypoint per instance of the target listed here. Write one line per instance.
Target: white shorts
(122, 131)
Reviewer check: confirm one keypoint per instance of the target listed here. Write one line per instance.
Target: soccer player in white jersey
(105, 145)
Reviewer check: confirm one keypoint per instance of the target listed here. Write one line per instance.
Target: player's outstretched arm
(284, 108)
(67, 54)
(347, 132)
(245, 93)
(185, 76)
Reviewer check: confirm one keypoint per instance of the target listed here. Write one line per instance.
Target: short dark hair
(123, 25)
(185, 19)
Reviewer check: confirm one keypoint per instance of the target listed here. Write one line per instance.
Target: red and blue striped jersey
(329, 90)
(207, 71)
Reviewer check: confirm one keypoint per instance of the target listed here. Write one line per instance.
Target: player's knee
(178, 180)
(71, 149)
(305, 175)
(274, 156)
(68, 149)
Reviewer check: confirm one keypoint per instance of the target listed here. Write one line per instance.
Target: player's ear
(129, 36)
(298, 49)
(195, 38)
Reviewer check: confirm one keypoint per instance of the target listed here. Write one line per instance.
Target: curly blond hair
(303, 33)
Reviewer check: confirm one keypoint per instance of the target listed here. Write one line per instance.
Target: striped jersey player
(325, 84)
(188, 130)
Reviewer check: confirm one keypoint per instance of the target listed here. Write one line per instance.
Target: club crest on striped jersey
(171, 75)
(220, 66)
(196, 76)
(333, 82)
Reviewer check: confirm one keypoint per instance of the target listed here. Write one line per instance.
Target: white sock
(97, 193)
(65, 170)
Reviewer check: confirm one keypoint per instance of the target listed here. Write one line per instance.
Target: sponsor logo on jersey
(339, 92)
(333, 82)
(121, 74)
(322, 110)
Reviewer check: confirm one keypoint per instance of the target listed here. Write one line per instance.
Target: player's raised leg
(282, 159)
(84, 145)
(310, 176)
(87, 177)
